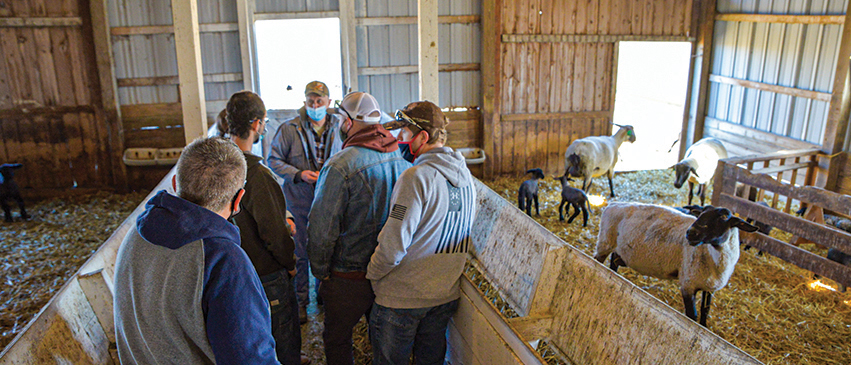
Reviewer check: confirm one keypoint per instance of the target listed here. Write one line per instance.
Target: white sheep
(698, 166)
(667, 244)
(590, 157)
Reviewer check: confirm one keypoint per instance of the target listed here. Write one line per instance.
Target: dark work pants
(346, 301)
(285, 327)
(394, 333)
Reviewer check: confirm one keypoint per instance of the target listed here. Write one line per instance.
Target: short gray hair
(210, 172)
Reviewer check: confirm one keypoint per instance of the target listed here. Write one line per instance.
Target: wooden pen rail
(740, 183)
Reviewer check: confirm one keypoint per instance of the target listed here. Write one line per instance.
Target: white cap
(359, 105)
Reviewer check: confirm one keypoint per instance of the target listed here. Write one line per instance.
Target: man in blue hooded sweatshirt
(185, 292)
(416, 268)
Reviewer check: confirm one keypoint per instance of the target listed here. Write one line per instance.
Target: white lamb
(699, 165)
(590, 157)
(667, 244)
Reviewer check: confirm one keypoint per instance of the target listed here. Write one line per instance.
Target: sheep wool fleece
(423, 246)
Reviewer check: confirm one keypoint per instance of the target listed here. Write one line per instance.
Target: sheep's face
(536, 173)
(713, 227)
(563, 180)
(683, 171)
(7, 170)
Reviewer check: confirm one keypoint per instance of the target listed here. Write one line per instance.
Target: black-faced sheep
(590, 157)
(577, 199)
(9, 190)
(528, 192)
(664, 243)
(698, 166)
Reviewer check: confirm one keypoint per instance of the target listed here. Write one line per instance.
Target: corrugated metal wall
(396, 45)
(801, 56)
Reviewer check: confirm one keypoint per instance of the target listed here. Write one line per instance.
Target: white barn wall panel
(801, 56)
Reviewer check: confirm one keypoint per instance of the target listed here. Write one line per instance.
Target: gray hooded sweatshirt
(423, 246)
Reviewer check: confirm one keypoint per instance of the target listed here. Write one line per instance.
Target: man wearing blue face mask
(299, 149)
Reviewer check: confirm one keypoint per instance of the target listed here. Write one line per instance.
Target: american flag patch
(398, 212)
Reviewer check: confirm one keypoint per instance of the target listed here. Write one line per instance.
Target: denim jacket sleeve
(324, 220)
(279, 150)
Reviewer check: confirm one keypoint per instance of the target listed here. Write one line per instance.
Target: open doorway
(294, 52)
(651, 89)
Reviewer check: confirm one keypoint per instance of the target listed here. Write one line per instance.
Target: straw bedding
(38, 256)
(768, 309)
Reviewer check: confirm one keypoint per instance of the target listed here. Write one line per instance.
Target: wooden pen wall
(50, 119)
(555, 71)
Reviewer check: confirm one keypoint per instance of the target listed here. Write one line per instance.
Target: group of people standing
(382, 221)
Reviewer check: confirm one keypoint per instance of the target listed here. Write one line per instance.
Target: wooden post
(427, 40)
(109, 102)
(700, 69)
(245, 19)
(188, 47)
(349, 44)
(840, 101)
(491, 43)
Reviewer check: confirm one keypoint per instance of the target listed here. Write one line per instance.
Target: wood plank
(395, 70)
(40, 22)
(563, 115)
(349, 45)
(169, 29)
(26, 41)
(784, 19)
(79, 63)
(783, 167)
(491, 56)
(823, 235)
(778, 89)
(247, 46)
(79, 163)
(144, 110)
(96, 286)
(297, 15)
(840, 102)
(23, 112)
(773, 156)
(824, 198)
(175, 80)
(188, 45)
(703, 68)
(46, 67)
(781, 142)
(427, 39)
(590, 38)
(398, 20)
(155, 138)
(532, 328)
(798, 256)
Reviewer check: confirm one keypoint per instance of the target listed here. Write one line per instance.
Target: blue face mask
(316, 114)
(405, 149)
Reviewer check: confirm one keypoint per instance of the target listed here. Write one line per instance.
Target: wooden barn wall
(382, 46)
(798, 56)
(51, 119)
(551, 92)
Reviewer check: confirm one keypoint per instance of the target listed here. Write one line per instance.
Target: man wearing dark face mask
(263, 228)
(351, 205)
(298, 151)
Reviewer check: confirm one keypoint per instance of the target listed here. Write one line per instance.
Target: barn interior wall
(800, 57)
(551, 91)
(51, 117)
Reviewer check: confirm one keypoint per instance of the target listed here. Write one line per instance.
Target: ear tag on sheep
(629, 132)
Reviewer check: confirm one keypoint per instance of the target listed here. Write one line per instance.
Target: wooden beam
(401, 20)
(245, 18)
(427, 40)
(687, 128)
(781, 168)
(349, 46)
(787, 19)
(108, 89)
(777, 141)
(703, 50)
(564, 115)
(589, 38)
(188, 46)
(491, 60)
(532, 328)
(785, 90)
(840, 102)
(175, 80)
(41, 22)
(169, 29)
(394, 70)
(798, 256)
(97, 288)
(297, 15)
(19, 112)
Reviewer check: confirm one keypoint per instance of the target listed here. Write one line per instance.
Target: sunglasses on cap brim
(416, 122)
(339, 105)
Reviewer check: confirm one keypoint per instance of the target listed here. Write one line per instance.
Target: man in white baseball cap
(352, 203)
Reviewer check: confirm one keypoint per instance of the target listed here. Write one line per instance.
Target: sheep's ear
(693, 171)
(673, 167)
(736, 222)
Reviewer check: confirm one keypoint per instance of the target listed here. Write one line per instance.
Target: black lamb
(528, 192)
(9, 190)
(577, 199)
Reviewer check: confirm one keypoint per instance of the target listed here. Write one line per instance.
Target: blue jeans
(395, 332)
(285, 327)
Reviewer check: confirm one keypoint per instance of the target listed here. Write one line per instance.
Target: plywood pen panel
(796, 56)
(51, 119)
(557, 68)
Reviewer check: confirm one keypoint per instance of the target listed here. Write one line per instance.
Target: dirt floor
(38, 256)
(768, 309)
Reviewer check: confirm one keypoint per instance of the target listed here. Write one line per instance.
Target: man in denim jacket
(351, 205)
(299, 150)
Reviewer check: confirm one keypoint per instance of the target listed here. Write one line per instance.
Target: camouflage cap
(316, 87)
(421, 114)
